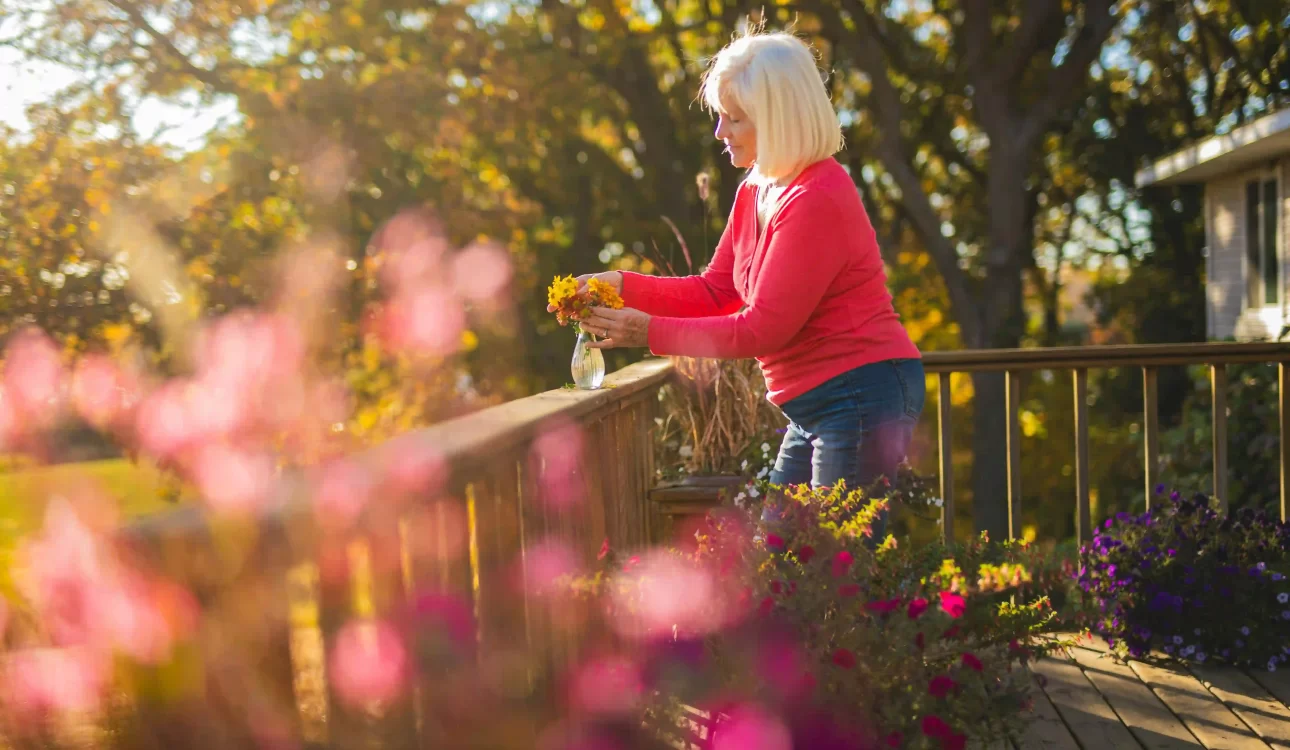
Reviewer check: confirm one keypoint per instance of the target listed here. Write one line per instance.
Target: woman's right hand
(613, 278)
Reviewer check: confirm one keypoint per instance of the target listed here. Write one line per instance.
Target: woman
(796, 281)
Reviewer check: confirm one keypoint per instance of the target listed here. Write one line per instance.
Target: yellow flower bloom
(561, 289)
(604, 294)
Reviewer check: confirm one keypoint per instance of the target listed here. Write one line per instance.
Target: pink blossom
(611, 685)
(774, 541)
(844, 658)
(427, 320)
(941, 686)
(842, 563)
(38, 683)
(557, 461)
(935, 727)
(100, 391)
(231, 480)
(752, 728)
(671, 593)
(916, 608)
(806, 553)
(895, 739)
(546, 562)
(481, 273)
(883, 607)
(344, 489)
(368, 664)
(953, 604)
(972, 662)
(34, 376)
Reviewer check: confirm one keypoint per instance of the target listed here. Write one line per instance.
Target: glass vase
(588, 365)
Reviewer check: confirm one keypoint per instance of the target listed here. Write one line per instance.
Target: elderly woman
(796, 281)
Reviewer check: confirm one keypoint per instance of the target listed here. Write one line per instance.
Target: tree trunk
(1003, 318)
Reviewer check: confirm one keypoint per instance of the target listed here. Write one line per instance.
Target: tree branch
(1063, 83)
(867, 50)
(1038, 31)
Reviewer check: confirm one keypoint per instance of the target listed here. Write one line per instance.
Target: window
(1262, 229)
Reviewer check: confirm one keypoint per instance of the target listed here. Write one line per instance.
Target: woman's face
(736, 131)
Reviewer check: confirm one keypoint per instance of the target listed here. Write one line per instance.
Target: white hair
(774, 79)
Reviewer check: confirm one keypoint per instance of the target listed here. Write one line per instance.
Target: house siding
(1227, 315)
(1225, 263)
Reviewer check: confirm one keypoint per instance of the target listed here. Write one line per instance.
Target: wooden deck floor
(1094, 702)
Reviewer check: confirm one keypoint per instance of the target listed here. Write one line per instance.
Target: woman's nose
(721, 128)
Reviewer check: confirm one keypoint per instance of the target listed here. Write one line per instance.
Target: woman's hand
(617, 328)
(613, 278)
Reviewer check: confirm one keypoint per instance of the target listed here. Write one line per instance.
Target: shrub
(1171, 579)
(810, 629)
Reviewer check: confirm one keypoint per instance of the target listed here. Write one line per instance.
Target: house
(1246, 174)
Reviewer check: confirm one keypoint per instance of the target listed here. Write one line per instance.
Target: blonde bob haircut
(774, 80)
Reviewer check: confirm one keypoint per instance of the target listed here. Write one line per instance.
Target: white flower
(762, 474)
(753, 492)
(938, 502)
(744, 466)
(658, 421)
(765, 447)
(686, 451)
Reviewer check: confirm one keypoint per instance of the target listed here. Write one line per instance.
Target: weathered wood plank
(1263, 713)
(1047, 730)
(1088, 716)
(1276, 683)
(1141, 711)
(1213, 724)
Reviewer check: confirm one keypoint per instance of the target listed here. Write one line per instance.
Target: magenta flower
(953, 604)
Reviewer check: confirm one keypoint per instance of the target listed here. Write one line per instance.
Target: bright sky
(23, 83)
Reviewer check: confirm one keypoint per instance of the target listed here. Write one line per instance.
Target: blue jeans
(856, 426)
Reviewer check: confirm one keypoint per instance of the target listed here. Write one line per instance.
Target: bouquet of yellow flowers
(572, 304)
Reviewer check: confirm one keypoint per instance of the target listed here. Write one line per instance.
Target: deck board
(1267, 716)
(1101, 703)
(1089, 717)
(1212, 722)
(1149, 719)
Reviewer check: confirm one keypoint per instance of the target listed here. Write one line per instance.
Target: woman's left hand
(617, 328)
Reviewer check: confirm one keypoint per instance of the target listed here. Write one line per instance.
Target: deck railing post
(945, 446)
(1013, 399)
(1083, 511)
(1150, 432)
(1218, 392)
(1283, 415)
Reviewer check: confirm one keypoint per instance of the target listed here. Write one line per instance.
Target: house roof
(1265, 138)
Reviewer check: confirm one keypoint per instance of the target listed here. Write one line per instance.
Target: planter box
(687, 498)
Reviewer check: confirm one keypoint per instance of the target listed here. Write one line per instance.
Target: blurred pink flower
(368, 664)
(844, 658)
(411, 465)
(451, 614)
(248, 350)
(37, 684)
(481, 273)
(556, 458)
(428, 320)
(610, 685)
(34, 377)
(100, 390)
(806, 553)
(165, 424)
(546, 562)
(752, 728)
(917, 606)
(343, 490)
(231, 480)
(84, 595)
(670, 593)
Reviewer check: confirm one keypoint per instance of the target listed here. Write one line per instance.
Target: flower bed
(1192, 582)
(806, 630)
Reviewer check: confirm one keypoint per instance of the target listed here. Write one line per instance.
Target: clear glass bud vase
(588, 366)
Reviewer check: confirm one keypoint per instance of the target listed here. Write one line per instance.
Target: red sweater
(808, 298)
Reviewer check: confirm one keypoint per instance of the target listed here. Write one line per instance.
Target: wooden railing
(1078, 361)
(495, 486)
